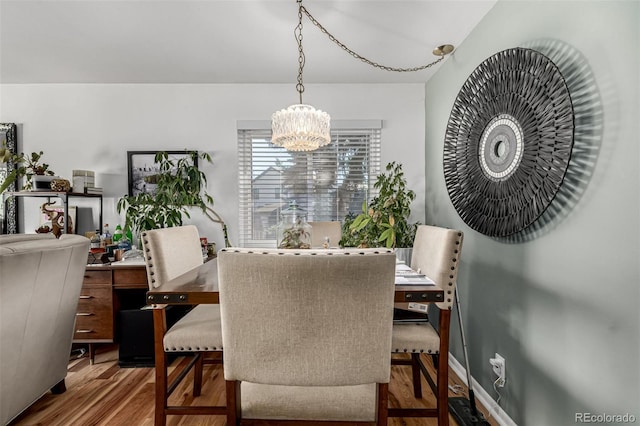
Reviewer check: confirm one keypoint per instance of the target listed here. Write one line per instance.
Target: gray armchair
(40, 282)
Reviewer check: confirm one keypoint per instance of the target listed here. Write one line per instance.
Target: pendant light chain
(302, 127)
(346, 49)
(301, 59)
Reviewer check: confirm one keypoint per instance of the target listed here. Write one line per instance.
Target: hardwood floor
(106, 395)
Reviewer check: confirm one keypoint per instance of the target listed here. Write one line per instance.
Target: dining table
(200, 286)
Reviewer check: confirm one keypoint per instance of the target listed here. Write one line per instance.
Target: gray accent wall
(561, 306)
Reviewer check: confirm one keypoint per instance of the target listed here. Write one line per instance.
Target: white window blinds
(327, 183)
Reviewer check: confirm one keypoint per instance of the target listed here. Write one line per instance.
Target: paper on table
(402, 268)
(417, 280)
(133, 261)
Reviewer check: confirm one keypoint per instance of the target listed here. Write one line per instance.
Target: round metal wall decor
(508, 142)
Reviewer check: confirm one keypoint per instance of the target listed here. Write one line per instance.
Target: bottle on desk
(106, 238)
(117, 234)
(124, 243)
(95, 241)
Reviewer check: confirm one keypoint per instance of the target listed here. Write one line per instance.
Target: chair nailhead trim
(281, 252)
(414, 351)
(198, 349)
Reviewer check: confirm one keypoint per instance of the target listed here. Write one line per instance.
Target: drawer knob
(84, 331)
(86, 297)
(84, 314)
(166, 297)
(183, 297)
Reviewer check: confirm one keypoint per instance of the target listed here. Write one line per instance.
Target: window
(327, 183)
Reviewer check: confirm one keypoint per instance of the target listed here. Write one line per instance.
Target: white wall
(562, 308)
(92, 126)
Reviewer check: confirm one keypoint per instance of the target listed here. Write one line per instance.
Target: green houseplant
(180, 187)
(385, 221)
(28, 166)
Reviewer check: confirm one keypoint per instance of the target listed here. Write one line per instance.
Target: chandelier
(301, 127)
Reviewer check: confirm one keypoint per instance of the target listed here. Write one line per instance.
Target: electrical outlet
(499, 368)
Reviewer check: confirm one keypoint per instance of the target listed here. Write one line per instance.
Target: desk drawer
(97, 277)
(94, 316)
(130, 278)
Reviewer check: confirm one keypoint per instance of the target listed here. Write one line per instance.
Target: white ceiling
(215, 41)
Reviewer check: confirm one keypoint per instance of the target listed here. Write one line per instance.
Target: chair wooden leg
(415, 370)
(383, 404)
(443, 391)
(233, 402)
(434, 358)
(197, 376)
(159, 327)
(161, 390)
(443, 369)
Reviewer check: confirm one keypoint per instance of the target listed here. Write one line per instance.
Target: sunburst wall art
(508, 142)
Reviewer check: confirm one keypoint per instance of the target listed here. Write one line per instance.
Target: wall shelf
(63, 196)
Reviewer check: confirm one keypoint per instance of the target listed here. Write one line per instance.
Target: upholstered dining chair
(436, 253)
(321, 230)
(292, 321)
(168, 253)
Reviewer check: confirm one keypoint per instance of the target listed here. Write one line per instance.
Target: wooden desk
(101, 299)
(200, 285)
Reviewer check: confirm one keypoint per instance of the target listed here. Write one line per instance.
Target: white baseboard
(481, 395)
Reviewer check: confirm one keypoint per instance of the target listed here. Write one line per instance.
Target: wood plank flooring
(104, 394)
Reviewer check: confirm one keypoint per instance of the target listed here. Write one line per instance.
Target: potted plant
(180, 187)
(29, 166)
(293, 230)
(385, 221)
(295, 237)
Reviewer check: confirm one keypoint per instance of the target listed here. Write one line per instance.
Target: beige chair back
(436, 252)
(321, 230)
(170, 252)
(306, 317)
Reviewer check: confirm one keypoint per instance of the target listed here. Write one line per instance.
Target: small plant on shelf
(26, 166)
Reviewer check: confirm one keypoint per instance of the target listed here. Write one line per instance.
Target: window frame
(249, 131)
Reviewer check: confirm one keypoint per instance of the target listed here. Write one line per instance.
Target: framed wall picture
(143, 171)
(8, 210)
